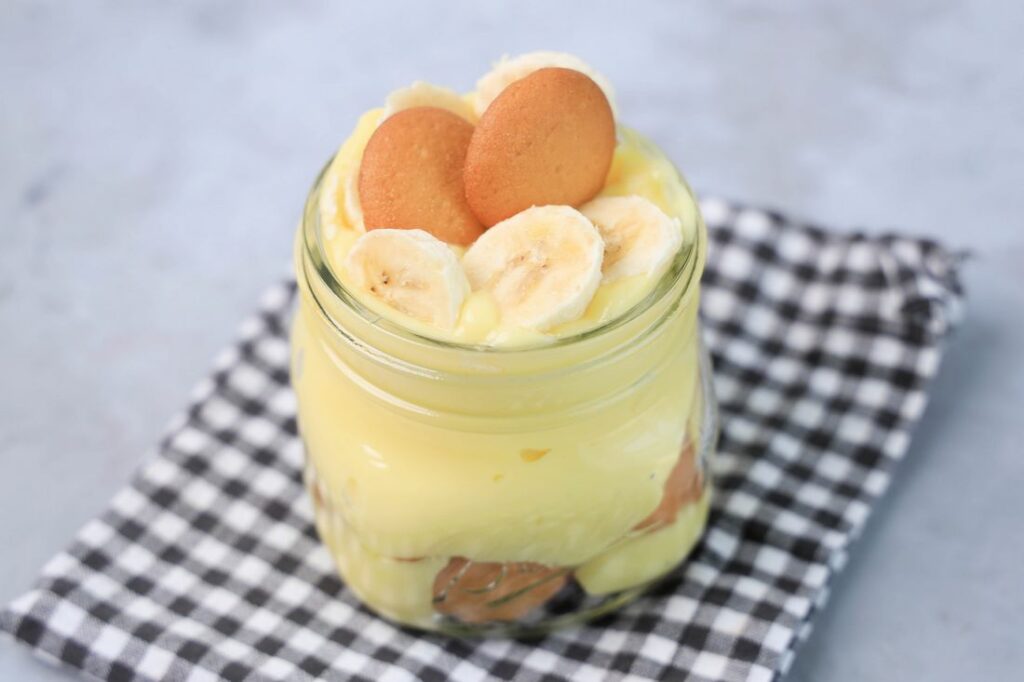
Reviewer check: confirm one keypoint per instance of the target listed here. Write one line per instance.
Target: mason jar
(477, 490)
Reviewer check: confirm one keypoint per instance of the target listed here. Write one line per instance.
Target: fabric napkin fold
(206, 566)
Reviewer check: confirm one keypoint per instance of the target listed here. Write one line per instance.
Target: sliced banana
(639, 238)
(351, 189)
(330, 217)
(412, 271)
(421, 94)
(541, 266)
(342, 178)
(509, 70)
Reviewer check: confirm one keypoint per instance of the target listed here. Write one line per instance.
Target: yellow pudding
(617, 455)
(495, 443)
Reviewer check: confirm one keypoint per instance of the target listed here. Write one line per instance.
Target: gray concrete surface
(154, 156)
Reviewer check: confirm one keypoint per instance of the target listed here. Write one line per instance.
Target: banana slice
(421, 94)
(541, 266)
(507, 71)
(339, 196)
(342, 178)
(351, 189)
(639, 238)
(412, 271)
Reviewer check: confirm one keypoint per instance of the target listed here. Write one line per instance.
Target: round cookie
(546, 139)
(484, 592)
(411, 175)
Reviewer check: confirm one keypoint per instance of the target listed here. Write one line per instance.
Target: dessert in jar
(502, 392)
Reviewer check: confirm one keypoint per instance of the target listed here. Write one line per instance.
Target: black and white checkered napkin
(207, 566)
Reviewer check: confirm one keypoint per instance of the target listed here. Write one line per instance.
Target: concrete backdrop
(153, 160)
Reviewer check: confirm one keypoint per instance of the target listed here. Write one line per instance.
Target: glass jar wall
(478, 490)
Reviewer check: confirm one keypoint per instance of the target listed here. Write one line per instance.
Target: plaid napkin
(207, 565)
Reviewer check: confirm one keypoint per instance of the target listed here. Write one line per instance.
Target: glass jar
(477, 490)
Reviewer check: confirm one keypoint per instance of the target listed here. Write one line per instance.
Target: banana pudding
(502, 393)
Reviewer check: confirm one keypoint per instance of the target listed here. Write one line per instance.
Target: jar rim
(688, 264)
